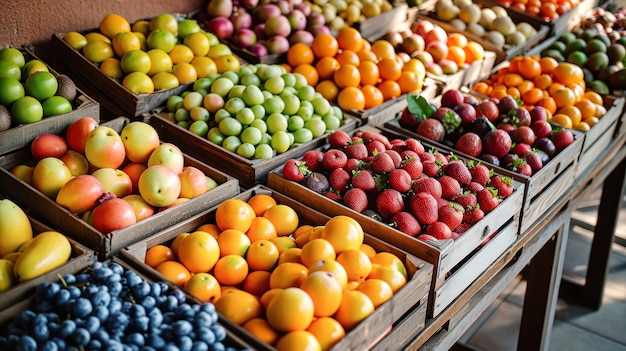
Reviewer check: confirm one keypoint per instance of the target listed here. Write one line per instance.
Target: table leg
(543, 276)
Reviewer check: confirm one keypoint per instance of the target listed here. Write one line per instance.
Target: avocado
(617, 80)
(5, 118)
(67, 88)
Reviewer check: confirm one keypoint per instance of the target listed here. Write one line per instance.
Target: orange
(367, 55)
(572, 112)
(326, 67)
(230, 270)
(268, 296)
(176, 243)
(174, 271)
(290, 310)
(238, 306)
(390, 260)
(205, 66)
(356, 263)
(349, 38)
(369, 73)
(204, 286)
(473, 52)
(324, 45)
(593, 97)
(299, 340)
(373, 96)
(309, 72)
(262, 255)
(409, 82)
(316, 232)
(481, 88)
(457, 54)
(316, 249)
(457, 39)
(562, 120)
(513, 79)
(393, 277)
(125, 41)
(257, 283)
(343, 233)
(300, 53)
(325, 291)
(548, 64)
(582, 126)
(543, 81)
(351, 98)
(158, 254)
(369, 251)
(347, 76)
(532, 96)
(261, 329)
(210, 228)
(587, 108)
(525, 86)
(198, 252)
(328, 89)
(261, 228)
(383, 49)
(416, 66)
(568, 73)
(348, 57)
(333, 267)
(292, 254)
(529, 68)
(112, 68)
(112, 24)
(283, 243)
(390, 89)
(355, 307)
(563, 97)
(260, 203)
(287, 275)
(233, 242)
(377, 290)
(389, 68)
(548, 103)
(234, 214)
(284, 218)
(327, 331)
(181, 53)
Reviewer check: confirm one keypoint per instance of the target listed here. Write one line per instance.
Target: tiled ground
(575, 328)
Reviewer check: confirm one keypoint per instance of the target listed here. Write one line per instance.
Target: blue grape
(92, 324)
(49, 346)
(133, 278)
(74, 291)
(27, 343)
(155, 341)
(51, 290)
(94, 344)
(41, 332)
(156, 289)
(69, 279)
(149, 302)
(101, 335)
(81, 308)
(139, 324)
(140, 290)
(218, 346)
(103, 274)
(126, 305)
(220, 331)
(101, 312)
(156, 318)
(185, 343)
(206, 335)
(80, 336)
(200, 346)
(62, 297)
(83, 278)
(182, 327)
(116, 267)
(170, 347)
(66, 328)
(202, 319)
(184, 311)
(115, 288)
(112, 345)
(97, 265)
(101, 298)
(61, 344)
(115, 306)
(170, 305)
(135, 339)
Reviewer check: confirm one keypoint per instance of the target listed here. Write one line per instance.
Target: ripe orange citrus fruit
(262, 255)
(325, 291)
(204, 286)
(238, 306)
(198, 251)
(234, 214)
(290, 310)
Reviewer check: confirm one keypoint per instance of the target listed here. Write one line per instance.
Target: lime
(138, 83)
(41, 85)
(164, 80)
(164, 21)
(213, 39)
(136, 61)
(161, 39)
(160, 62)
(95, 36)
(577, 44)
(75, 40)
(56, 105)
(10, 91)
(97, 51)
(26, 110)
(13, 55)
(595, 45)
(188, 26)
(141, 26)
(567, 37)
(578, 58)
(9, 69)
(199, 43)
(32, 67)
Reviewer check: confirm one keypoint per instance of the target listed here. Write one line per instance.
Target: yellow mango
(7, 279)
(48, 250)
(15, 228)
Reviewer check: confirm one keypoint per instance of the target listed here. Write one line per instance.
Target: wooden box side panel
(614, 107)
(594, 152)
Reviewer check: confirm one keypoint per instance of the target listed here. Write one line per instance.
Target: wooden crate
(109, 244)
(21, 136)
(80, 258)
(248, 172)
(110, 92)
(600, 135)
(375, 27)
(542, 189)
(445, 255)
(413, 296)
(233, 338)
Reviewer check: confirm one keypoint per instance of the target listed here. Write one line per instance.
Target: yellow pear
(48, 250)
(15, 228)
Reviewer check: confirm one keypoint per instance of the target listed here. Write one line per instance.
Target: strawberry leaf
(419, 107)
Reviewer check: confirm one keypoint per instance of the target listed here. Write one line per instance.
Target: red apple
(76, 134)
(23, 173)
(437, 49)
(193, 182)
(104, 148)
(48, 145)
(436, 34)
(168, 155)
(112, 214)
(80, 194)
(114, 181)
(49, 175)
(139, 139)
(142, 209)
(76, 162)
(159, 185)
(134, 171)
(422, 27)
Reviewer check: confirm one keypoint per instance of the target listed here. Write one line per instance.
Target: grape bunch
(108, 307)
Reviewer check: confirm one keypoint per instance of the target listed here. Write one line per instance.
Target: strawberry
(413, 166)
(398, 145)
(389, 202)
(428, 185)
(426, 237)
(356, 149)
(562, 139)
(441, 202)
(414, 145)
(355, 199)
(521, 149)
(424, 208)
(334, 158)
(473, 215)
(474, 187)
(522, 167)
(375, 147)
(439, 230)
(395, 156)
(488, 199)
(431, 168)
(459, 171)
(339, 179)
(443, 159)
(295, 170)
(408, 154)
(339, 139)
(383, 163)
(313, 159)
(466, 200)
(450, 187)
(354, 164)
(503, 184)
(333, 196)
(400, 180)
(406, 223)
(462, 228)
(451, 215)
(480, 174)
(369, 137)
(364, 180)
(534, 161)
(426, 156)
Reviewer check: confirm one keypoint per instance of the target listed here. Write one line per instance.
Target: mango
(15, 228)
(48, 250)
(7, 279)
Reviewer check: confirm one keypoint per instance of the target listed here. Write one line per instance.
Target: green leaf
(419, 107)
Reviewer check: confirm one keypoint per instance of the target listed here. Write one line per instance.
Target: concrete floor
(575, 328)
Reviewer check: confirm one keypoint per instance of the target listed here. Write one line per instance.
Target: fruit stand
(259, 176)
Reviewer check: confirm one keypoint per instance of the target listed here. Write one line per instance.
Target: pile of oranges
(549, 10)
(559, 87)
(354, 73)
(289, 284)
